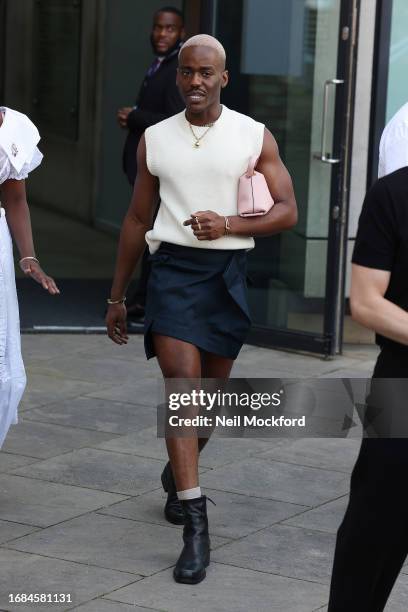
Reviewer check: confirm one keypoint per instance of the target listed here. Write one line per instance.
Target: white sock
(189, 493)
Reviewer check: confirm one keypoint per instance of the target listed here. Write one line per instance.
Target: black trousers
(372, 541)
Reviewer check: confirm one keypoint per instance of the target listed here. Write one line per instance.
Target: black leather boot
(195, 556)
(173, 510)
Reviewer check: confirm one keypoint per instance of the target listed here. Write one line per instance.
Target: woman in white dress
(18, 156)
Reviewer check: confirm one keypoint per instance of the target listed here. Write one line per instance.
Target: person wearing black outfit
(372, 541)
(158, 99)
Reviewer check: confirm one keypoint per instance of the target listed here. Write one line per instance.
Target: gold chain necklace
(197, 143)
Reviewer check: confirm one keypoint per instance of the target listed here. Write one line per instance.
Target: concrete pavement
(81, 502)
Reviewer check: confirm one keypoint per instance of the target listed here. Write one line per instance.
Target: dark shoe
(173, 510)
(195, 556)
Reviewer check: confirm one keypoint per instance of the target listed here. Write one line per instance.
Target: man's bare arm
(283, 214)
(137, 222)
(371, 309)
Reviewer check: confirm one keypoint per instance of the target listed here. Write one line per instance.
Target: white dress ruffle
(12, 372)
(8, 172)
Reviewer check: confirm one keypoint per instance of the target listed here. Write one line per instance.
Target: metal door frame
(330, 341)
(340, 188)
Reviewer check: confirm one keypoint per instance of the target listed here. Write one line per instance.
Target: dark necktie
(153, 68)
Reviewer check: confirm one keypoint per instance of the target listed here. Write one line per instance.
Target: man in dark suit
(158, 99)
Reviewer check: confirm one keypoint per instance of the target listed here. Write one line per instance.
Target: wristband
(227, 228)
(32, 258)
(121, 301)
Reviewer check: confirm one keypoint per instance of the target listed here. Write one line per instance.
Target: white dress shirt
(394, 143)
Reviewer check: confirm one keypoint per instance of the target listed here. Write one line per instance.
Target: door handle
(322, 155)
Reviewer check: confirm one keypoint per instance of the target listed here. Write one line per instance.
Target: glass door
(2, 48)
(291, 67)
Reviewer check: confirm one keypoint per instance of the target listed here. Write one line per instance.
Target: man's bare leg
(214, 366)
(178, 359)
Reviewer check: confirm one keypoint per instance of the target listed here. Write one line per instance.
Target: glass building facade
(323, 75)
(397, 85)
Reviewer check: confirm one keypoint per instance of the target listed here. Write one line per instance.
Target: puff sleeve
(27, 167)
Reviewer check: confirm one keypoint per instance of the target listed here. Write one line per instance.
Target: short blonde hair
(205, 40)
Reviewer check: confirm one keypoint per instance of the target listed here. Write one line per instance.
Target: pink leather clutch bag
(254, 197)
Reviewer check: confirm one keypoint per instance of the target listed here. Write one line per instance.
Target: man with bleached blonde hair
(205, 40)
(197, 315)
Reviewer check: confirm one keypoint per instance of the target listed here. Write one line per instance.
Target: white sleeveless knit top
(197, 179)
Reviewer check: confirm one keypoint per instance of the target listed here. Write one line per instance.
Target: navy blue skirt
(199, 296)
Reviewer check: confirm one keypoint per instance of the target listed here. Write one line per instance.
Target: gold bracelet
(227, 229)
(121, 301)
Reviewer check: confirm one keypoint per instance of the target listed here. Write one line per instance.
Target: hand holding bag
(254, 197)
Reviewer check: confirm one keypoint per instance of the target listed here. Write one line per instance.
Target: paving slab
(288, 551)
(356, 367)
(338, 454)
(110, 371)
(43, 440)
(37, 503)
(31, 573)
(42, 389)
(94, 413)
(147, 508)
(276, 480)
(140, 442)
(133, 351)
(218, 451)
(37, 345)
(225, 588)
(103, 605)
(222, 451)
(143, 391)
(243, 369)
(109, 542)
(363, 351)
(234, 516)
(399, 595)
(99, 469)
(326, 517)
(43, 347)
(10, 531)
(360, 370)
(283, 498)
(266, 363)
(9, 461)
